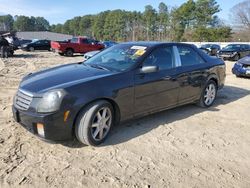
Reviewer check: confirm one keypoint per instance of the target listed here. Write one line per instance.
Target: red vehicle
(76, 45)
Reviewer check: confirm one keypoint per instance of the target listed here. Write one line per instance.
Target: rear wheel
(32, 49)
(209, 94)
(69, 53)
(237, 57)
(94, 123)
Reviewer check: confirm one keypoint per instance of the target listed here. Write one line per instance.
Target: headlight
(50, 101)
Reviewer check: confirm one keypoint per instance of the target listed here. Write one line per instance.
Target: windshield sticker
(138, 48)
(140, 52)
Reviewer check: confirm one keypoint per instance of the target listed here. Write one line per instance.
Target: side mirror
(149, 69)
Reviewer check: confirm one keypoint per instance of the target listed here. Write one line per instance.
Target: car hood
(245, 60)
(60, 77)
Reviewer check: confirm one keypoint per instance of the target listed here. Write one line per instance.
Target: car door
(85, 45)
(246, 50)
(42, 45)
(192, 74)
(46, 45)
(156, 90)
(35, 45)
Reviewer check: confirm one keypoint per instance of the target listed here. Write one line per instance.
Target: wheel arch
(69, 48)
(111, 101)
(213, 77)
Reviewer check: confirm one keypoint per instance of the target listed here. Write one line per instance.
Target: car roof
(155, 43)
(238, 44)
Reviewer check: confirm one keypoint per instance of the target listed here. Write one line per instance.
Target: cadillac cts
(125, 81)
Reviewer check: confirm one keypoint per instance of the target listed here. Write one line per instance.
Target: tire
(94, 123)
(31, 49)
(11, 52)
(236, 57)
(69, 53)
(207, 99)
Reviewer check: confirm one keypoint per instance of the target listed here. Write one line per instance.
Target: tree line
(192, 21)
(23, 23)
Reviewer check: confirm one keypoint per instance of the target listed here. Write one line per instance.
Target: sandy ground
(184, 147)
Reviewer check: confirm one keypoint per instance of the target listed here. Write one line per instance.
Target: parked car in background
(211, 49)
(125, 81)
(242, 67)
(23, 41)
(76, 45)
(90, 54)
(36, 45)
(234, 51)
(108, 44)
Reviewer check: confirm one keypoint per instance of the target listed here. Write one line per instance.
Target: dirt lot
(183, 147)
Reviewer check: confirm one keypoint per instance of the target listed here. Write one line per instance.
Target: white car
(90, 54)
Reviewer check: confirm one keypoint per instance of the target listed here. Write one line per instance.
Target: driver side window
(162, 57)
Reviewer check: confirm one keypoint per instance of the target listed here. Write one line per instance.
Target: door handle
(168, 78)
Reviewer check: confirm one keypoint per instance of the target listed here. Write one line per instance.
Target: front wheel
(237, 57)
(69, 53)
(31, 49)
(94, 123)
(209, 94)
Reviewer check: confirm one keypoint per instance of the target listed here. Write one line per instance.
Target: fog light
(40, 129)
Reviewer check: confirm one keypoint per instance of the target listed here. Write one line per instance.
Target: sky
(58, 11)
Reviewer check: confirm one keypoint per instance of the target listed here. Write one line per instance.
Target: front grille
(23, 100)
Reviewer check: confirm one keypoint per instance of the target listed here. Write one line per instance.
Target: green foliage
(221, 34)
(150, 19)
(205, 11)
(163, 21)
(24, 23)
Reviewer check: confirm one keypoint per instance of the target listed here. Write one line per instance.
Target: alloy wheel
(210, 94)
(101, 124)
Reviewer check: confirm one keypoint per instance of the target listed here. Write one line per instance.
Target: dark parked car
(37, 45)
(125, 81)
(234, 51)
(108, 44)
(242, 67)
(23, 42)
(210, 49)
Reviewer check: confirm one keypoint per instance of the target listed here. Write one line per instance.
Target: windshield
(118, 58)
(206, 45)
(232, 47)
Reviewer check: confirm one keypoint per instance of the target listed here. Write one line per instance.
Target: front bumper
(226, 56)
(55, 129)
(240, 71)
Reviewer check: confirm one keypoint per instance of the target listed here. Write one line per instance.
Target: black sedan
(125, 81)
(234, 51)
(210, 49)
(37, 45)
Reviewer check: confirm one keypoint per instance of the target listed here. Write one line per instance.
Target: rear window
(74, 40)
(189, 56)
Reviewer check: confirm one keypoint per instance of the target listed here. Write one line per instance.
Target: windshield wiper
(98, 66)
